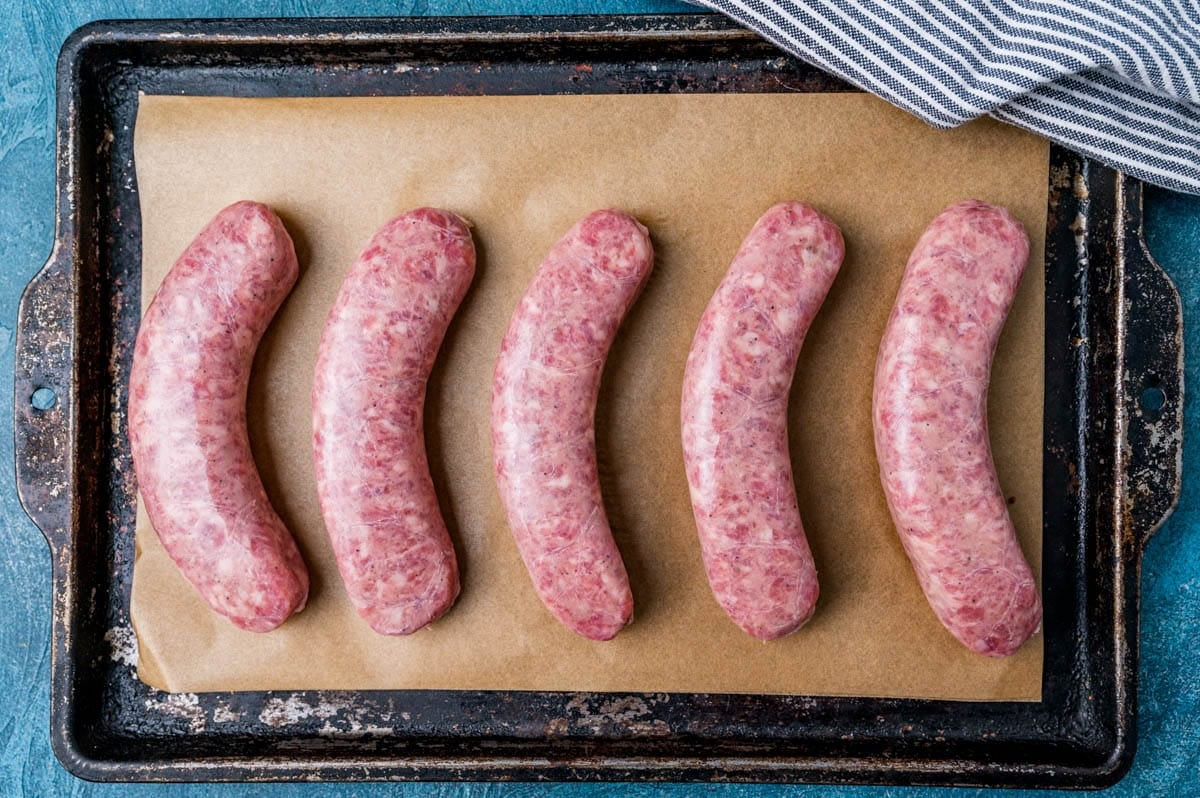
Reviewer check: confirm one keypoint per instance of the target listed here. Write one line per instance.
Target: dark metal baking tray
(1113, 400)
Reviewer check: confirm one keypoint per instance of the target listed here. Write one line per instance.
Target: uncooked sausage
(187, 418)
(735, 396)
(377, 349)
(543, 419)
(931, 436)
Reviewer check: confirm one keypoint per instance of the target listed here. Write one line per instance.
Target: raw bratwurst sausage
(735, 396)
(930, 408)
(543, 419)
(187, 418)
(377, 349)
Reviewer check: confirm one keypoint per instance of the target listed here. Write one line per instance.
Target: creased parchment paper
(697, 170)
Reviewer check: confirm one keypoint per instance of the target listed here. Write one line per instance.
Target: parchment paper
(697, 170)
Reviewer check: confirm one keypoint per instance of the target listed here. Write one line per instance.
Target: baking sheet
(697, 170)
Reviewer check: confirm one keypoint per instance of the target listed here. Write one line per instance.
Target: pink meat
(735, 396)
(377, 349)
(187, 418)
(931, 436)
(543, 416)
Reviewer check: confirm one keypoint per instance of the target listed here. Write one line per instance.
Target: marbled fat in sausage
(187, 418)
(931, 436)
(735, 396)
(377, 349)
(543, 419)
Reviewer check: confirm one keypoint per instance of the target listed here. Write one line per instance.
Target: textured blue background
(30, 36)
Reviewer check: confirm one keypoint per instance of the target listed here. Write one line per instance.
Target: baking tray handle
(44, 404)
(1152, 383)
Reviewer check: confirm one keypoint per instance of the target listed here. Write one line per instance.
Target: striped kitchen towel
(1116, 80)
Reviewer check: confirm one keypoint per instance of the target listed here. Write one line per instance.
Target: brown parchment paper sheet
(698, 170)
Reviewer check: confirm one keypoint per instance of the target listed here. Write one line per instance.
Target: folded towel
(1116, 80)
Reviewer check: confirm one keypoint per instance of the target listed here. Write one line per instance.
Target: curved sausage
(543, 419)
(735, 396)
(377, 349)
(931, 438)
(187, 418)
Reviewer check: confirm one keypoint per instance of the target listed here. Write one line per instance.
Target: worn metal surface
(1111, 465)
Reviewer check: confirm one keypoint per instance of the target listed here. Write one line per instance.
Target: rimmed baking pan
(1111, 461)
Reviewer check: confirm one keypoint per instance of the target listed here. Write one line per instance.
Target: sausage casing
(543, 419)
(377, 349)
(187, 418)
(931, 435)
(734, 412)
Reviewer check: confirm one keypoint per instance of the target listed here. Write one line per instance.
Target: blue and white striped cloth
(1116, 80)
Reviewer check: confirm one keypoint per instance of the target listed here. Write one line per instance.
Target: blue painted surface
(1168, 761)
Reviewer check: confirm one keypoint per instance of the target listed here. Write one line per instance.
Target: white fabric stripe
(1180, 155)
(1099, 28)
(1167, 78)
(1030, 49)
(993, 67)
(1155, 134)
(1166, 117)
(1183, 49)
(1085, 134)
(1169, 131)
(1115, 79)
(1026, 54)
(1178, 50)
(1191, 13)
(1076, 45)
